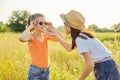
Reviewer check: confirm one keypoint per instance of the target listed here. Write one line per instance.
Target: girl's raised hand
(50, 29)
(50, 32)
(50, 26)
(32, 24)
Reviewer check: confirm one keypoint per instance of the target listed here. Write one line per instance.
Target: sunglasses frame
(42, 22)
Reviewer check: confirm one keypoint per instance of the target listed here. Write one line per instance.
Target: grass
(15, 58)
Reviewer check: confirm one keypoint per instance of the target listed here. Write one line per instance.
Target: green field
(15, 58)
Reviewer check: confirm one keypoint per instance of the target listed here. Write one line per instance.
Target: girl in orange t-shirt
(38, 47)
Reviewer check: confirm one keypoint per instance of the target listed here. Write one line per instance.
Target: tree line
(18, 20)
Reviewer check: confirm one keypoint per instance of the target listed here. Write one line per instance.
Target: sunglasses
(42, 22)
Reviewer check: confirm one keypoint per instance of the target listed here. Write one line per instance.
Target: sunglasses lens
(41, 23)
(46, 23)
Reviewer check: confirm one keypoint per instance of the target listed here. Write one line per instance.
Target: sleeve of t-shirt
(81, 45)
(50, 38)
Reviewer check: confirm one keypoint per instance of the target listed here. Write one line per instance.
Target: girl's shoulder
(45, 36)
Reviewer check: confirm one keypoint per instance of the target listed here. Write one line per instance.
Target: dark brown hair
(75, 33)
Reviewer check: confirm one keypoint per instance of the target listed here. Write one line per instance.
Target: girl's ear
(68, 29)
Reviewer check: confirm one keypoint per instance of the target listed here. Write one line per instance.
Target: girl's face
(67, 28)
(41, 23)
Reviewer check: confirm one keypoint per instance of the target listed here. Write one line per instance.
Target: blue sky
(103, 13)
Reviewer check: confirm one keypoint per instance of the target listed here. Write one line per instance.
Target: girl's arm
(60, 39)
(63, 42)
(88, 67)
(26, 36)
(51, 26)
(54, 32)
(60, 34)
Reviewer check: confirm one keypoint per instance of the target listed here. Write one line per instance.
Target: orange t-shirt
(39, 52)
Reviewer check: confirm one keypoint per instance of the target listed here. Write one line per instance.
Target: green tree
(93, 27)
(116, 27)
(60, 28)
(97, 29)
(3, 27)
(17, 21)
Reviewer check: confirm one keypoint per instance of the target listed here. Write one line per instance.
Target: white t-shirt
(93, 46)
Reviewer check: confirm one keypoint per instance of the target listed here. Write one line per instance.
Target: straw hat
(74, 19)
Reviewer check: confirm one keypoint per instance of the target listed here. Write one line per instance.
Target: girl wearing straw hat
(95, 54)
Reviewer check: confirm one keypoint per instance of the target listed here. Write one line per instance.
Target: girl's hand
(50, 26)
(32, 24)
(51, 32)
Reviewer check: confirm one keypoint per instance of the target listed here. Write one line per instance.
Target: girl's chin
(41, 30)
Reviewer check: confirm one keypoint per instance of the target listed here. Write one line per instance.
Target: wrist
(81, 78)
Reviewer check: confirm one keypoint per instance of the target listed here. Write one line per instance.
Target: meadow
(15, 58)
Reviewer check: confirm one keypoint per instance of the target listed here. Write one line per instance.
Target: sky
(103, 13)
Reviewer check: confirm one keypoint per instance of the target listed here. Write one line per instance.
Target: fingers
(49, 23)
(50, 33)
(32, 23)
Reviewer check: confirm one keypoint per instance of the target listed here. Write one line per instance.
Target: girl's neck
(38, 34)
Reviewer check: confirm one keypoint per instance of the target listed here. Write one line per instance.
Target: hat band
(70, 24)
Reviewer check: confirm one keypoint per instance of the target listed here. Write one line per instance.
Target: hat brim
(64, 20)
(62, 16)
